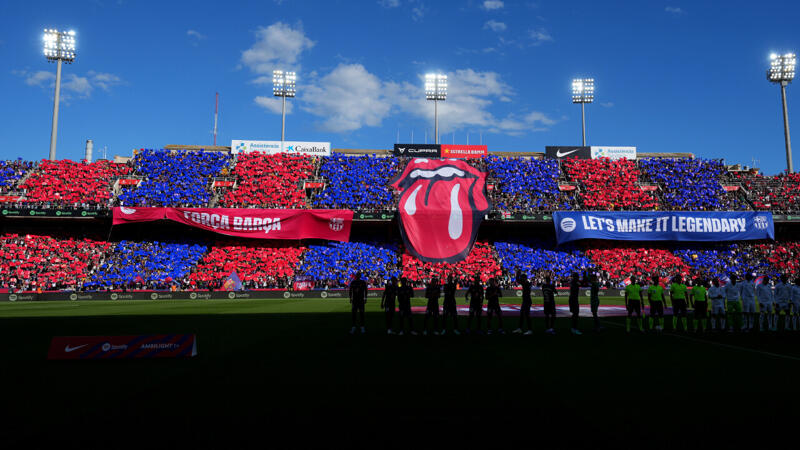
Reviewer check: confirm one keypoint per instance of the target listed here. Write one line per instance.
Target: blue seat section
(357, 182)
(174, 178)
(334, 264)
(149, 264)
(526, 184)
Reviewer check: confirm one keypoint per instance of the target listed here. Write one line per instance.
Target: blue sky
(670, 76)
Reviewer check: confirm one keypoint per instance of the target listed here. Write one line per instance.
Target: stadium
(221, 295)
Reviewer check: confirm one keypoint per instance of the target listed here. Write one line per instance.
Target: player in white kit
(783, 298)
(795, 303)
(733, 303)
(748, 302)
(717, 296)
(765, 301)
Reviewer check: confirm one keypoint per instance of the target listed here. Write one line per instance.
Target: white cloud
(277, 46)
(389, 3)
(495, 26)
(418, 12)
(195, 34)
(607, 104)
(470, 96)
(72, 84)
(347, 99)
(491, 5)
(274, 104)
(540, 36)
(674, 10)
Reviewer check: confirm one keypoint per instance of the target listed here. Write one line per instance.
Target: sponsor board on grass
(240, 295)
(123, 347)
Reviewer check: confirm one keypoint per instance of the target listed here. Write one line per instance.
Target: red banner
(125, 347)
(222, 183)
(9, 198)
(128, 181)
(124, 214)
(464, 151)
(291, 224)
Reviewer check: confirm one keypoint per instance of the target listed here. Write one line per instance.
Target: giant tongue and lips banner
(442, 204)
(292, 224)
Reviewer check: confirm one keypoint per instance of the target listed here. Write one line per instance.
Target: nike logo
(69, 349)
(561, 155)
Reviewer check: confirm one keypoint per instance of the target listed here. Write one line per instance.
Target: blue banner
(663, 225)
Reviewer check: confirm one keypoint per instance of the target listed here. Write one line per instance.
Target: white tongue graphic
(411, 202)
(456, 223)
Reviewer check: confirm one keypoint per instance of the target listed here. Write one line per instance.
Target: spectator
(480, 261)
(258, 267)
(333, 265)
(609, 185)
(691, 184)
(526, 184)
(357, 182)
(60, 184)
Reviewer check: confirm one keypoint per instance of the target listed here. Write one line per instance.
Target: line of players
(476, 294)
(733, 303)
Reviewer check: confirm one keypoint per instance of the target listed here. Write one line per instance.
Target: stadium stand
(481, 260)
(779, 194)
(269, 181)
(147, 265)
(691, 184)
(66, 183)
(609, 185)
(538, 259)
(174, 178)
(33, 262)
(258, 267)
(526, 184)
(11, 172)
(618, 262)
(333, 264)
(357, 182)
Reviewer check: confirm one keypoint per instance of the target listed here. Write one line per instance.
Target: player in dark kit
(493, 294)
(549, 294)
(594, 301)
(574, 304)
(387, 303)
(449, 308)
(475, 297)
(358, 299)
(404, 294)
(432, 292)
(525, 308)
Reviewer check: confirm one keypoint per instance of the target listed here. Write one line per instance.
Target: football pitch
(286, 373)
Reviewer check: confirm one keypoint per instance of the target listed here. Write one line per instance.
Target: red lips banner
(442, 204)
(289, 224)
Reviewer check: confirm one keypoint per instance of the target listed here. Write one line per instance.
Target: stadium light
(583, 93)
(781, 71)
(59, 46)
(283, 85)
(436, 90)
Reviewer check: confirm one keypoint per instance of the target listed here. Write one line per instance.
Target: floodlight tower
(436, 90)
(781, 71)
(59, 46)
(283, 85)
(583, 93)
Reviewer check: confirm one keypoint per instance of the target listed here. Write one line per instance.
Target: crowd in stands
(526, 184)
(618, 262)
(481, 260)
(147, 265)
(11, 172)
(333, 265)
(258, 267)
(779, 194)
(538, 259)
(609, 185)
(174, 178)
(269, 181)
(45, 263)
(358, 182)
(691, 184)
(69, 184)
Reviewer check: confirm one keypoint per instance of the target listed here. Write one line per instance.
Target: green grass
(287, 371)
